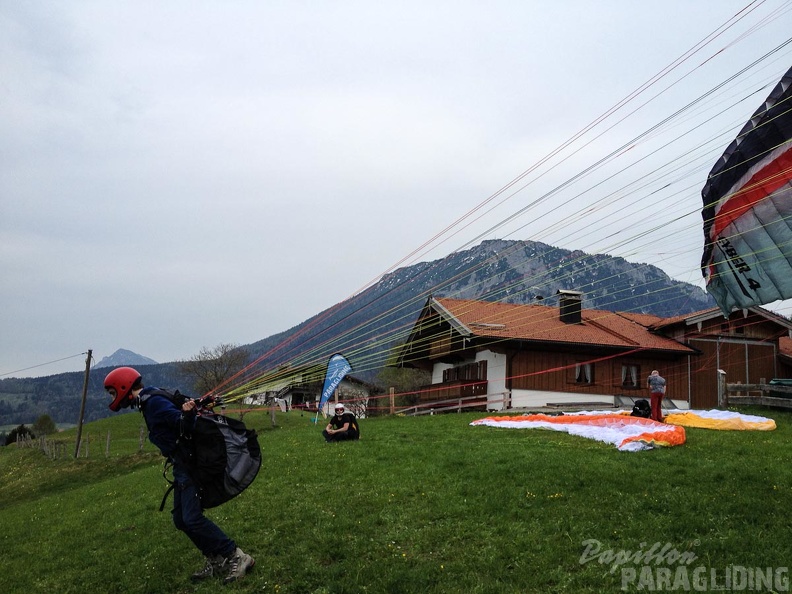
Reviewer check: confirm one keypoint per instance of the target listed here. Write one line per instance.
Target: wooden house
(784, 357)
(746, 346)
(523, 356)
(301, 388)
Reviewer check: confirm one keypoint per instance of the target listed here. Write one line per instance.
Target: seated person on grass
(342, 426)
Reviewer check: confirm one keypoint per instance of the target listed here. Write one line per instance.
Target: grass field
(425, 504)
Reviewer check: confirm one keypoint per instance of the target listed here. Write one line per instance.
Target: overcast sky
(175, 175)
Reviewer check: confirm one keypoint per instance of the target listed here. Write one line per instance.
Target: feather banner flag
(337, 368)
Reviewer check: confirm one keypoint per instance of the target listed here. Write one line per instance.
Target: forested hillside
(23, 400)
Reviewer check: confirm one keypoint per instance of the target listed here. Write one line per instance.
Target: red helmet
(121, 380)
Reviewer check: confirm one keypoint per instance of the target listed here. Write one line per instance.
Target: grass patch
(425, 504)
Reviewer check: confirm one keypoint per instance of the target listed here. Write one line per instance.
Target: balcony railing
(454, 389)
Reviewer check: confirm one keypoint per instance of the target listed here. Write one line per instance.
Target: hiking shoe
(237, 564)
(212, 566)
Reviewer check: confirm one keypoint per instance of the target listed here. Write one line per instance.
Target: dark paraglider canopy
(747, 211)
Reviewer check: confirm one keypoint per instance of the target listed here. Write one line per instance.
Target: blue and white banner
(337, 368)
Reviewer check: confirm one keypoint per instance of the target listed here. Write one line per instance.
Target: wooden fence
(444, 406)
(55, 448)
(735, 394)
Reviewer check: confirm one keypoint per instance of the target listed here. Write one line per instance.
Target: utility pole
(82, 406)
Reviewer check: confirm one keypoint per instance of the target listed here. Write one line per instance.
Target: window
(584, 373)
(579, 372)
(629, 376)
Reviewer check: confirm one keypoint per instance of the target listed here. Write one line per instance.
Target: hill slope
(426, 504)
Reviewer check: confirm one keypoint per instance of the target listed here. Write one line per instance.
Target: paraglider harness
(642, 409)
(221, 455)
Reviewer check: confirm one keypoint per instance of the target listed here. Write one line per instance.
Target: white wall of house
(497, 395)
(437, 372)
(538, 398)
(496, 370)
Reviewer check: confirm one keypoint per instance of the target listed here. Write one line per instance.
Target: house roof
(690, 318)
(715, 313)
(541, 323)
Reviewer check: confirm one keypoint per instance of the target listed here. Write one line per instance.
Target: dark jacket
(165, 421)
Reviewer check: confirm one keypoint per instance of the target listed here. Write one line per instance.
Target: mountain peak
(123, 357)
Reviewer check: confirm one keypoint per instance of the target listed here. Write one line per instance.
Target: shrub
(17, 433)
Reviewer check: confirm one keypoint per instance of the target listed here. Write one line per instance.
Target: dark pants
(188, 517)
(342, 436)
(657, 406)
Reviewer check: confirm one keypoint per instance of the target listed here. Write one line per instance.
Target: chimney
(570, 305)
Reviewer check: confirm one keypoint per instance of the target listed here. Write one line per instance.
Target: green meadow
(418, 505)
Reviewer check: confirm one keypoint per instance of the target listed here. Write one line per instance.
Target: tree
(20, 432)
(212, 367)
(405, 381)
(44, 425)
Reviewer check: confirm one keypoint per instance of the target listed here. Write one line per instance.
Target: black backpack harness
(221, 455)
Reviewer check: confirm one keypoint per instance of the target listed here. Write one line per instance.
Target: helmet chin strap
(135, 399)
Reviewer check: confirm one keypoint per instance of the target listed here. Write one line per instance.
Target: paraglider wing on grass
(722, 420)
(747, 258)
(628, 434)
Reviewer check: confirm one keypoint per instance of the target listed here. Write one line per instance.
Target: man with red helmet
(166, 423)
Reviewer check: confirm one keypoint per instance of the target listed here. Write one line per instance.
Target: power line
(42, 364)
